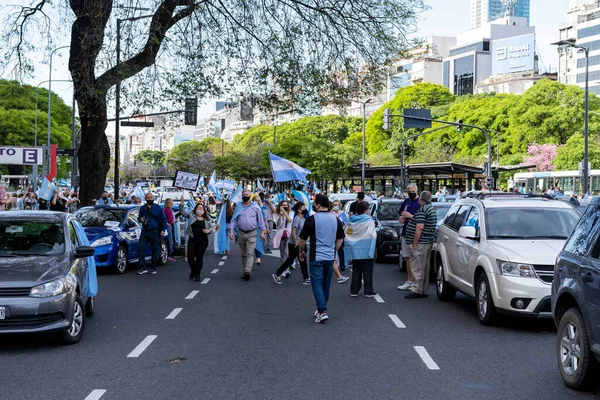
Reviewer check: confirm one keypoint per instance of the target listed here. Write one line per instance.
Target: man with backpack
(154, 226)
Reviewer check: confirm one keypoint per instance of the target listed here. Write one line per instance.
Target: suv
(500, 249)
(388, 227)
(576, 302)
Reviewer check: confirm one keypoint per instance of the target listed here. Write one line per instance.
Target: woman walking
(298, 223)
(197, 238)
(284, 219)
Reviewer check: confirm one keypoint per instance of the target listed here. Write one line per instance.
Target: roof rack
(483, 195)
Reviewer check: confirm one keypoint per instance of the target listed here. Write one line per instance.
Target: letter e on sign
(30, 156)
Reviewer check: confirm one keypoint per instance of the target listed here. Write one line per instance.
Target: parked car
(114, 232)
(500, 249)
(47, 276)
(385, 214)
(347, 199)
(576, 302)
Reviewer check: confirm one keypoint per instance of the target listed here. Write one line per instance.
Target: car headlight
(102, 241)
(49, 289)
(515, 269)
(387, 231)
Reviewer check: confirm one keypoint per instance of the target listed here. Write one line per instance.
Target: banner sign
(21, 155)
(515, 54)
(186, 180)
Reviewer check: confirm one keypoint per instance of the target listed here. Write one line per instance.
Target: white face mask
(335, 208)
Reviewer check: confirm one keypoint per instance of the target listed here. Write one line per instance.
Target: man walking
(420, 234)
(247, 218)
(326, 233)
(154, 226)
(408, 208)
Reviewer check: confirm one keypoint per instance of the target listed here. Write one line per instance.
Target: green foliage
(569, 155)
(181, 154)
(153, 157)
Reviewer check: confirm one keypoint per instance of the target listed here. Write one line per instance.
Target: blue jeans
(153, 239)
(320, 280)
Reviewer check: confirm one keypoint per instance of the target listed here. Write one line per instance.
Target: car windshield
(530, 223)
(441, 211)
(99, 216)
(388, 211)
(31, 237)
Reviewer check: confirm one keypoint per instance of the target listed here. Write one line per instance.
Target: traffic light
(387, 119)
(489, 182)
(459, 127)
(191, 111)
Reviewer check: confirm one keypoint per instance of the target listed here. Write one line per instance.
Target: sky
(445, 18)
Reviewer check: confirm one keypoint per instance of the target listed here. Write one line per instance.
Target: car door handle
(458, 244)
(587, 277)
(445, 237)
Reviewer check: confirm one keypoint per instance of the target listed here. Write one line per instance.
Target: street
(155, 337)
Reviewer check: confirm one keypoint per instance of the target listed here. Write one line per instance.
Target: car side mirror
(84, 251)
(468, 232)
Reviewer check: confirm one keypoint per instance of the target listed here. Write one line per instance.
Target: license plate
(2, 312)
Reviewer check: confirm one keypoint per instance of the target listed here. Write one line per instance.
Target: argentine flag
(361, 236)
(221, 241)
(259, 185)
(201, 182)
(303, 197)
(46, 192)
(344, 190)
(285, 170)
(225, 184)
(236, 197)
(212, 186)
(138, 192)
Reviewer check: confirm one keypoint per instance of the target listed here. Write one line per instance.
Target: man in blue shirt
(326, 233)
(407, 210)
(154, 226)
(104, 200)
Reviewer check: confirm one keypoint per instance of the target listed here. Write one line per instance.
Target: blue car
(114, 231)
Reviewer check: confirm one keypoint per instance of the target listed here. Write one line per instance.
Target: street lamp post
(49, 106)
(118, 96)
(364, 135)
(571, 43)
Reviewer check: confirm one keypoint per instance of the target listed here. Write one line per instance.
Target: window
(133, 218)
(461, 217)
(596, 249)
(530, 223)
(473, 219)
(450, 216)
(73, 235)
(578, 242)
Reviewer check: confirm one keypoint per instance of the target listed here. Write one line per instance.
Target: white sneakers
(407, 286)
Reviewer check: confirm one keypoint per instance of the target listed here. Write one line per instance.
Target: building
(516, 83)
(583, 27)
(484, 11)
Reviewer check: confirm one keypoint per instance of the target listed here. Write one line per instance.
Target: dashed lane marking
(396, 320)
(174, 313)
(222, 262)
(142, 346)
(96, 394)
(205, 281)
(214, 271)
(426, 358)
(192, 294)
(224, 258)
(378, 298)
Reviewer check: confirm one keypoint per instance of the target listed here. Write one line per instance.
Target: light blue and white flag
(236, 197)
(221, 239)
(315, 188)
(285, 170)
(361, 236)
(138, 192)
(201, 181)
(344, 190)
(303, 197)
(225, 184)
(46, 191)
(259, 185)
(212, 186)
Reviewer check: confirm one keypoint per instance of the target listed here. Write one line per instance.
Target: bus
(568, 181)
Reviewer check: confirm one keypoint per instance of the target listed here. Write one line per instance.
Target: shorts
(404, 250)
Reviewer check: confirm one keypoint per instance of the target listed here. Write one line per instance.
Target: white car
(501, 249)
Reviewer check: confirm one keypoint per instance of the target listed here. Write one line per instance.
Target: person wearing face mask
(247, 219)
(154, 226)
(298, 223)
(104, 200)
(259, 249)
(408, 208)
(196, 237)
(284, 229)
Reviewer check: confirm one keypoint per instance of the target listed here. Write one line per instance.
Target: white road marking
(379, 299)
(396, 321)
(426, 358)
(274, 253)
(192, 294)
(224, 258)
(142, 346)
(214, 271)
(174, 313)
(96, 394)
(205, 281)
(222, 262)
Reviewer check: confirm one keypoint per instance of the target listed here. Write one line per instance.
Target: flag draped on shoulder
(212, 186)
(47, 189)
(303, 197)
(361, 236)
(221, 241)
(285, 170)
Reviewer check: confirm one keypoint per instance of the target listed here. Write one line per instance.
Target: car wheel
(75, 331)
(577, 364)
(90, 306)
(163, 257)
(485, 304)
(121, 265)
(444, 291)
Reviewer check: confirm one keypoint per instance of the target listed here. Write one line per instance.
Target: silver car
(47, 275)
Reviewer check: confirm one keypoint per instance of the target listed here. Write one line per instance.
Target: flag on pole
(344, 190)
(212, 186)
(315, 188)
(201, 181)
(46, 192)
(359, 243)
(285, 170)
(303, 197)
(236, 197)
(259, 185)
(221, 241)
(138, 192)
(225, 184)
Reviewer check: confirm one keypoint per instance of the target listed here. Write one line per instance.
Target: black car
(47, 274)
(386, 215)
(576, 302)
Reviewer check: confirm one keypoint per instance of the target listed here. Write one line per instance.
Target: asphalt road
(258, 340)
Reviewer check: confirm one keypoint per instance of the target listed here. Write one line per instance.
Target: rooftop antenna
(508, 8)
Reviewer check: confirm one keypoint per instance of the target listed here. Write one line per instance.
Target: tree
(290, 50)
(153, 157)
(570, 155)
(542, 156)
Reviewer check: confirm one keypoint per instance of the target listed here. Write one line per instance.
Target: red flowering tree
(542, 155)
